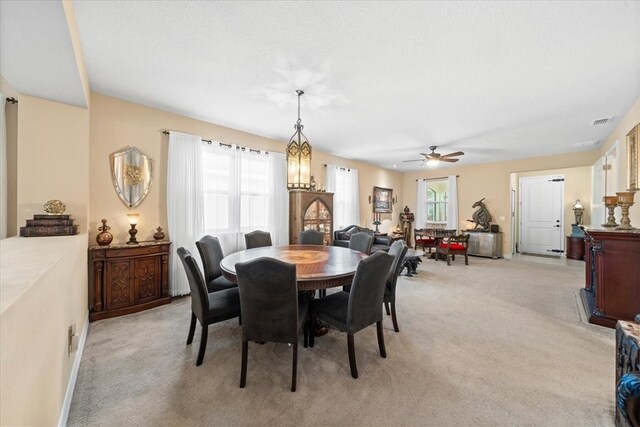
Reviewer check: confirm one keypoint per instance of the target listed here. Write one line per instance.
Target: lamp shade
(133, 218)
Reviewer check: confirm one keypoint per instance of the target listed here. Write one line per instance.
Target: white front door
(541, 215)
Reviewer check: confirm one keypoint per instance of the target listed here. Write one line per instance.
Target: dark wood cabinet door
(146, 284)
(118, 286)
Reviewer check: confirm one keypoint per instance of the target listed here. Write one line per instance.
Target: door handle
(557, 226)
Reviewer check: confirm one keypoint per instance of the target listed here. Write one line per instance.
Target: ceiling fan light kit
(433, 159)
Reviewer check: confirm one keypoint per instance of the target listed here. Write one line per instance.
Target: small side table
(575, 248)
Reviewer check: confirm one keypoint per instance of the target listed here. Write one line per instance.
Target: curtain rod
(11, 100)
(222, 144)
(431, 179)
(342, 169)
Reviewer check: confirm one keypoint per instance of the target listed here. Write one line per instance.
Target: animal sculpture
(481, 217)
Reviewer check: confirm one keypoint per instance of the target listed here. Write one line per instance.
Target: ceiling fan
(433, 158)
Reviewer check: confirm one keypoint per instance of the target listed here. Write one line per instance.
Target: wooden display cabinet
(612, 285)
(310, 210)
(125, 279)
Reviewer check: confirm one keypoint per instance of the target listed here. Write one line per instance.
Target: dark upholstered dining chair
(257, 239)
(211, 254)
(311, 237)
(361, 242)
(207, 307)
(353, 311)
(271, 310)
(398, 250)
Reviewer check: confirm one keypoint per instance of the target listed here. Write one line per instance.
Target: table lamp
(133, 220)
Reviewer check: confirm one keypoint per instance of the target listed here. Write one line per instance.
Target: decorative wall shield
(131, 173)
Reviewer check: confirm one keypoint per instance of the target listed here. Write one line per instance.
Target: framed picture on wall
(382, 200)
(632, 155)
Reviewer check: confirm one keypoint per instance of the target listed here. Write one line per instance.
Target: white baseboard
(66, 405)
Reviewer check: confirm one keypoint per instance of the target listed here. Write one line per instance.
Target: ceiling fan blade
(457, 153)
(449, 160)
(417, 160)
(425, 154)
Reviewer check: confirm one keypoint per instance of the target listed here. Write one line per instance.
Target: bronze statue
(407, 218)
(481, 217)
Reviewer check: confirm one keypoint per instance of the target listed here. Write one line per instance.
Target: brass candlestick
(610, 202)
(625, 201)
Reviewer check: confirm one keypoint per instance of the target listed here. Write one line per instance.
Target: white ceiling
(383, 80)
(36, 54)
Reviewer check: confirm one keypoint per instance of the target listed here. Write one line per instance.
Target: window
(244, 190)
(437, 201)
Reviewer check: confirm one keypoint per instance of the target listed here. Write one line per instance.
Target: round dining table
(317, 267)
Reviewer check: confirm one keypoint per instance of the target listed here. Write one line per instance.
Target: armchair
(343, 236)
(455, 245)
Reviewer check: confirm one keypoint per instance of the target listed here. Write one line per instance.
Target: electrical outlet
(72, 339)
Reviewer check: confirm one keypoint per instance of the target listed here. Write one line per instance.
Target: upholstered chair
(398, 250)
(311, 237)
(361, 242)
(211, 255)
(207, 307)
(452, 246)
(257, 239)
(271, 311)
(353, 311)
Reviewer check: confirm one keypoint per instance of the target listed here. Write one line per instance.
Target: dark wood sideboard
(125, 279)
(612, 276)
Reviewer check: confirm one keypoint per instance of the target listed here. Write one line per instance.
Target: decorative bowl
(54, 207)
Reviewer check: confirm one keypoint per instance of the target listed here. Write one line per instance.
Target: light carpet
(494, 343)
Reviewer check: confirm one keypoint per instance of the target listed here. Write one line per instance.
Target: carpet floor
(494, 343)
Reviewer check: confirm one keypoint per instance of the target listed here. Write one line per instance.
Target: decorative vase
(625, 201)
(104, 237)
(159, 234)
(610, 202)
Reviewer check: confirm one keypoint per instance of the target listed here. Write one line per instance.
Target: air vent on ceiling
(602, 121)
(586, 143)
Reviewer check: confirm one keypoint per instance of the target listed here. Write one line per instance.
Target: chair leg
(203, 344)
(192, 328)
(243, 367)
(352, 356)
(294, 368)
(386, 307)
(305, 334)
(466, 259)
(312, 329)
(448, 260)
(394, 317)
(383, 351)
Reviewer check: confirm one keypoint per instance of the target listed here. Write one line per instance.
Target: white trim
(66, 405)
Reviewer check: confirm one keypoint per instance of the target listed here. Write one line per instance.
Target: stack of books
(49, 225)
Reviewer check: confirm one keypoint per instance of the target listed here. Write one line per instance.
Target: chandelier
(298, 156)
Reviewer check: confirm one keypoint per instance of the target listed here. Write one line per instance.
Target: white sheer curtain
(185, 202)
(452, 203)
(278, 204)
(3, 170)
(343, 183)
(421, 201)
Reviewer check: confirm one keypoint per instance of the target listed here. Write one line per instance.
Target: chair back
(257, 239)
(211, 254)
(367, 291)
(268, 300)
(311, 237)
(361, 242)
(199, 294)
(398, 250)
(461, 239)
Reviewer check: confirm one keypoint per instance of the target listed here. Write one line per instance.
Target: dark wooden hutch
(310, 210)
(612, 288)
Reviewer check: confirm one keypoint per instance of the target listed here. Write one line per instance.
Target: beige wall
(619, 135)
(53, 153)
(492, 181)
(11, 115)
(116, 124)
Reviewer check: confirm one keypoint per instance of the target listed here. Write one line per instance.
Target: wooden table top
(317, 267)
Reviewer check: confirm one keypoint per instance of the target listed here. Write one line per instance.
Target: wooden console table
(612, 276)
(125, 279)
